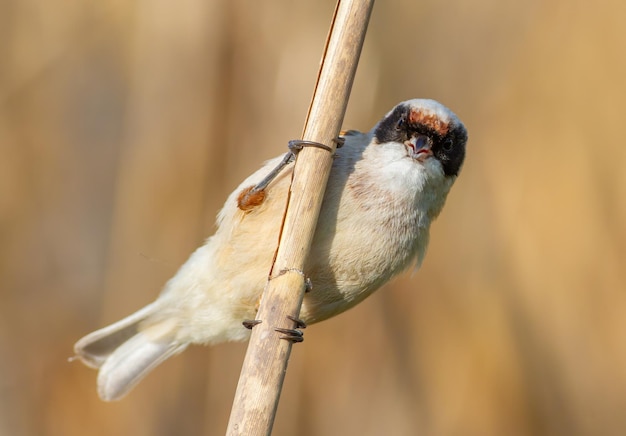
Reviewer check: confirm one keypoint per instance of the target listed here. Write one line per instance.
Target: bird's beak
(419, 147)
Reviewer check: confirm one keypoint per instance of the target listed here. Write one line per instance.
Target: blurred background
(125, 124)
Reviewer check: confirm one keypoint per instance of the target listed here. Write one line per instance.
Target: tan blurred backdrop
(124, 125)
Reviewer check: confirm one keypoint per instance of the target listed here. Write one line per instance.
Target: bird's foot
(293, 335)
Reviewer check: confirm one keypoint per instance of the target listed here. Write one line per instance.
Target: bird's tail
(125, 353)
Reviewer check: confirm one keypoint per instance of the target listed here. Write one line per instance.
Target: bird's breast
(365, 235)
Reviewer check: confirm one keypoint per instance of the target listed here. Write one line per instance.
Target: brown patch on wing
(248, 200)
(429, 120)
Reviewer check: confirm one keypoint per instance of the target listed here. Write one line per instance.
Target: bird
(384, 190)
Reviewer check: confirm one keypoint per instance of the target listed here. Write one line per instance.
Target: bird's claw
(293, 335)
(299, 323)
(249, 323)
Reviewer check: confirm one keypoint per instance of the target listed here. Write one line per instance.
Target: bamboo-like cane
(265, 364)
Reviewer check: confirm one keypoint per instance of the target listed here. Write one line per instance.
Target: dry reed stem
(265, 364)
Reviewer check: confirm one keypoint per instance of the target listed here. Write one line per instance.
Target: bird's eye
(447, 146)
(401, 123)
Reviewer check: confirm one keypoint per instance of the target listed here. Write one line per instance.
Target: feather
(125, 354)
